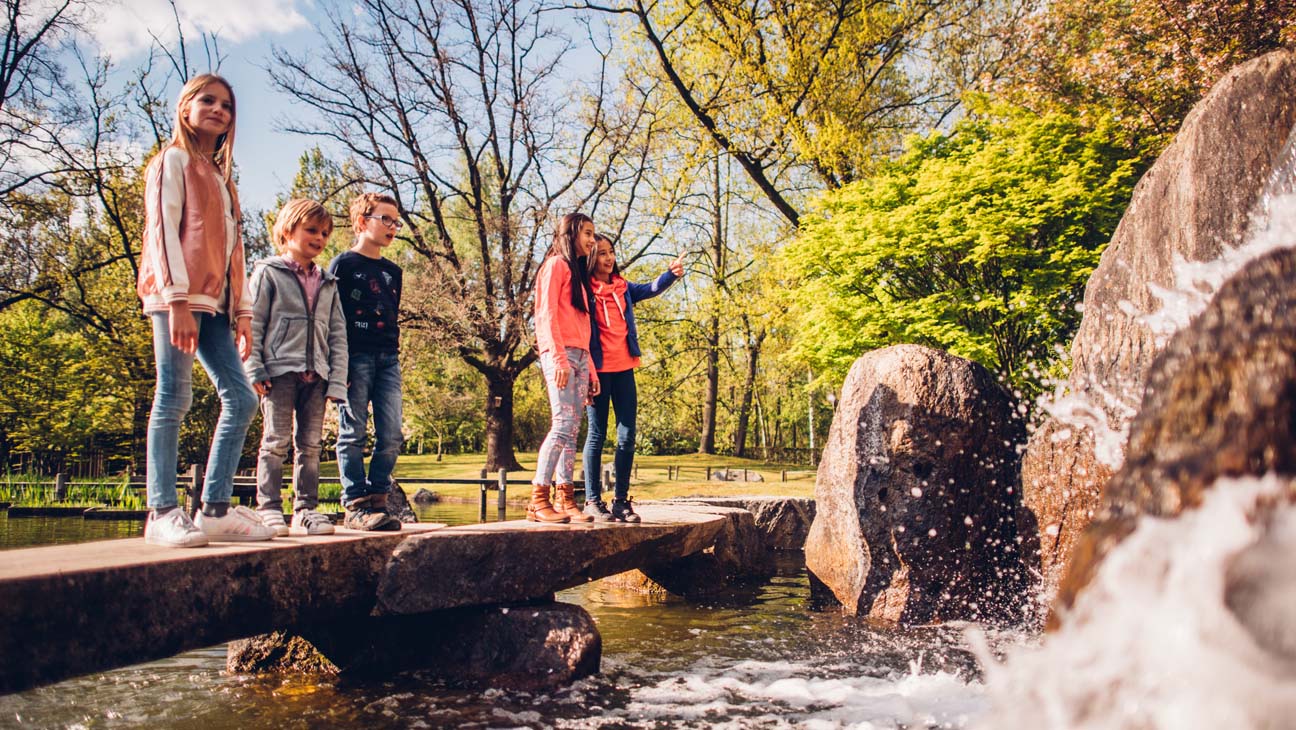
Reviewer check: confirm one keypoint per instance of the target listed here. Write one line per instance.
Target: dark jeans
(619, 390)
(375, 378)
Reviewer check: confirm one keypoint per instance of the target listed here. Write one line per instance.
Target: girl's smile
(211, 112)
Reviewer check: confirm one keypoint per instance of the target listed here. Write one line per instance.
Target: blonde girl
(193, 286)
(562, 321)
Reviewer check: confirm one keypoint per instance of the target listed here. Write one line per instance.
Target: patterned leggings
(556, 462)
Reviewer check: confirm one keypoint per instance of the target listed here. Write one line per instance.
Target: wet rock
(278, 651)
(426, 496)
(739, 552)
(1260, 581)
(1191, 205)
(917, 505)
(1219, 403)
(526, 647)
(783, 522)
(398, 505)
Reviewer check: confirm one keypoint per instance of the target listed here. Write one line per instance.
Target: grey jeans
(289, 397)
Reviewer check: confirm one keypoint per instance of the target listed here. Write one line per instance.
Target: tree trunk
(499, 421)
(706, 443)
(749, 388)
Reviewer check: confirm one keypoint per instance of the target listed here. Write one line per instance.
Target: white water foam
(1150, 643)
(763, 694)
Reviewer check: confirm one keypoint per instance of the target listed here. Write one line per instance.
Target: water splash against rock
(1152, 644)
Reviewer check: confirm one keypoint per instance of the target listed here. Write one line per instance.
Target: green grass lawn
(651, 482)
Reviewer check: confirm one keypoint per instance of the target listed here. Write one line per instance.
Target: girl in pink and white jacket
(193, 285)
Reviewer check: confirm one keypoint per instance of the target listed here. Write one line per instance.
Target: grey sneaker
(361, 515)
(310, 522)
(598, 510)
(274, 519)
(173, 529)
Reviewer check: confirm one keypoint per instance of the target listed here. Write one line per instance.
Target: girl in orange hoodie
(562, 322)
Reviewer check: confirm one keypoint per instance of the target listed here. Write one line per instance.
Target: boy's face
(376, 231)
(304, 242)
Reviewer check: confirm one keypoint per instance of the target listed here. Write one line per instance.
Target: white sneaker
(311, 522)
(173, 529)
(274, 518)
(239, 524)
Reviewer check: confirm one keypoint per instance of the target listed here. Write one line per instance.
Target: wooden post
(60, 487)
(503, 490)
(481, 511)
(783, 475)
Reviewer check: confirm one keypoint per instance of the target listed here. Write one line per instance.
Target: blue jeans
(220, 358)
(375, 378)
(555, 462)
(618, 389)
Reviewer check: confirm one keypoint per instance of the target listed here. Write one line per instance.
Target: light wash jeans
(290, 397)
(220, 358)
(619, 390)
(556, 461)
(375, 378)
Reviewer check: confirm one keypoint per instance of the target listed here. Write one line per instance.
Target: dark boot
(623, 511)
(565, 496)
(540, 509)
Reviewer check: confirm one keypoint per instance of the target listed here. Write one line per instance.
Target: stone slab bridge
(473, 601)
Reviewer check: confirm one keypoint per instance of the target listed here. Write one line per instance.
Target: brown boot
(540, 509)
(565, 494)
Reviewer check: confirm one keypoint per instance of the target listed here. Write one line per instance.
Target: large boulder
(1193, 205)
(783, 522)
(917, 504)
(1220, 402)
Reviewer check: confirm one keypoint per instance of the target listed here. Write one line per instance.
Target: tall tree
(461, 109)
(812, 93)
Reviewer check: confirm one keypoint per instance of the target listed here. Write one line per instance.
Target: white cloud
(124, 27)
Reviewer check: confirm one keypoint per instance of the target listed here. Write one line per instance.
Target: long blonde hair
(184, 137)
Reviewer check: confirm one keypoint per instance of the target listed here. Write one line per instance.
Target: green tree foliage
(978, 242)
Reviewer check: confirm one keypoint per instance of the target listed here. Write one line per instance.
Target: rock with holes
(917, 499)
(1193, 205)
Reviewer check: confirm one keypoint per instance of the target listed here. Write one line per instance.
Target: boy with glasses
(370, 289)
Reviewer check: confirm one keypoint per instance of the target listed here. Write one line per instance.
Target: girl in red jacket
(562, 322)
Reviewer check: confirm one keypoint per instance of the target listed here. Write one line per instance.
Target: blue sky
(248, 30)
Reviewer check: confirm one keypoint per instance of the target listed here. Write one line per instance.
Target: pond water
(756, 657)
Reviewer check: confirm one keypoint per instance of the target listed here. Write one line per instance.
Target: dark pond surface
(756, 657)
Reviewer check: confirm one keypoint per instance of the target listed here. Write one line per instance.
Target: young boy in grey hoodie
(298, 361)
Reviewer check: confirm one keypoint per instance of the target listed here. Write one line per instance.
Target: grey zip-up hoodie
(286, 338)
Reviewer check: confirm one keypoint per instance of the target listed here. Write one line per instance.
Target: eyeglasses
(389, 222)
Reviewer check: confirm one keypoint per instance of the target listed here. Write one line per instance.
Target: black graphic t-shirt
(371, 292)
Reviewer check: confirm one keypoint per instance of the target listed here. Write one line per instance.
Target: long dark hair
(564, 246)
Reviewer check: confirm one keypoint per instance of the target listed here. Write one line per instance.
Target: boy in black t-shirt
(370, 288)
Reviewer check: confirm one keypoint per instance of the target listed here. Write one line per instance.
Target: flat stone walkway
(67, 610)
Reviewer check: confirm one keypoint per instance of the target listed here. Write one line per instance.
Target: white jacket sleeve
(171, 266)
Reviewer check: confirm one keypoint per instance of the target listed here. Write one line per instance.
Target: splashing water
(1150, 643)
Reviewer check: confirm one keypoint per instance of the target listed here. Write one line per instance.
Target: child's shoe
(239, 524)
(598, 510)
(274, 519)
(623, 511)
(173, 529)
(362, 514)
(310, 522)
